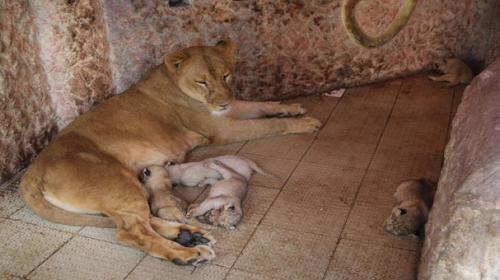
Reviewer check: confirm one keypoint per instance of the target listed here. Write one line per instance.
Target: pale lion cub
(193, 174)
(415, 198)
(222, 207)
(454, 72)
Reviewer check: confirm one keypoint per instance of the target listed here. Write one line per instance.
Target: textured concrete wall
(26, 116)
(285, 49)
(74, 54)
(463, 231)
(493, 51)
(53, 67)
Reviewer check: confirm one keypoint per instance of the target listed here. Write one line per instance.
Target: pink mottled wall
(53, 67)
(493, 51)
(74, 54)
(287, 49)
(60, 57)
(26, 117)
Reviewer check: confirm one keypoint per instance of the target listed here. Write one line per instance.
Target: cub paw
(434, 78)
(191, 209)
(172, 214)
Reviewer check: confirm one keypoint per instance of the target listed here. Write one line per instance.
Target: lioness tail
(32, 195)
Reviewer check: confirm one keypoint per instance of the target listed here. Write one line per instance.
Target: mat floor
(322, 219)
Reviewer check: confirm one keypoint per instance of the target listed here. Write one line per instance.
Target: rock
(463, 230)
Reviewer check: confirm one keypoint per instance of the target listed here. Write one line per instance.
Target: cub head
(204, 73)
(406, 218)
(227, 216)
(440, 65)
(154, 176)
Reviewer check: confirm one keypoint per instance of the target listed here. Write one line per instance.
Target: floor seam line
(14, 178)
(381, 245)
(42, 226)
(263, 216)
(267, 156)
(363, 178)
(135, 266)
(241, 148)
(50, 256)
(103, 240)
(13, 213)
(280, 190)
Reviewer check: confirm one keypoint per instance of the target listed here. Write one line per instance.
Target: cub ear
(174, 61)
(227, 49)
(230, 207)
(144, 175)
(401, 211)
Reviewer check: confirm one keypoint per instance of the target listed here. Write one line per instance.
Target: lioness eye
(402, 211)
(231, 207)
(227, 77)
(202, 83)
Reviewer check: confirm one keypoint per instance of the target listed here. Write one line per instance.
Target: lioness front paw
(288, 110)
(306, 125)
(297, 109)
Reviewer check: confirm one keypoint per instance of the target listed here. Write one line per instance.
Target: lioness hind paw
(202, 254)
(188, 238)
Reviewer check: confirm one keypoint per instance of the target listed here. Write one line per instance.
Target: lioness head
(204, 73)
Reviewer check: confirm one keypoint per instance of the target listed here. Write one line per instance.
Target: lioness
(92, 166)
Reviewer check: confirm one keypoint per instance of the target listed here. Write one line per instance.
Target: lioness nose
(224, 106)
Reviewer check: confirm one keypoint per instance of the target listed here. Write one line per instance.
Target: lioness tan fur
(89, 174)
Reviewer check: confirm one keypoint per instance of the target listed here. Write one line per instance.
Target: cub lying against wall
(408, 217)
(454, 71)
(92, 166)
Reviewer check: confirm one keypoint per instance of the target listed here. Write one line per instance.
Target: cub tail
(259, 170)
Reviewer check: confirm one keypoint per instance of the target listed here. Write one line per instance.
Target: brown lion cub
(163, 204)
(454, 72)
(415, 198)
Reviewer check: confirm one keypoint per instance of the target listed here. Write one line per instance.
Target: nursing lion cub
(89, 174)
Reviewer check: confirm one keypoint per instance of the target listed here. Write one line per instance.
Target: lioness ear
(226, 48)
(175, 60)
